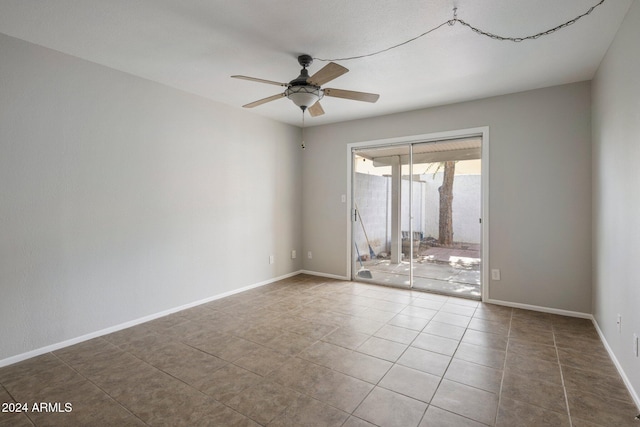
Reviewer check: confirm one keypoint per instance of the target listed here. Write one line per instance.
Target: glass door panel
(447, 210)
(381, 201)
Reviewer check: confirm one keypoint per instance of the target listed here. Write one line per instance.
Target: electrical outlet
(271, 259)
(343, 198)
(635, 344)
(293, 254)
(309, 255)
(619, 323)
(495, 274)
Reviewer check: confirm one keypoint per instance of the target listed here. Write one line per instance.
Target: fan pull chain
(302, 145)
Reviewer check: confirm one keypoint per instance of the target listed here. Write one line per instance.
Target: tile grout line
(504, 369)
(564, 387)
(451, 360)
(436, 389)
(26, 414)
(100, 388)
(164, 372)
(264, 377)
(304, 393)
(396, 363)
(376, 385)
(448, 364)
(297, 356)
(446, 369)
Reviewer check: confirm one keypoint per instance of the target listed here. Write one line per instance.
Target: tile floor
(314, 352)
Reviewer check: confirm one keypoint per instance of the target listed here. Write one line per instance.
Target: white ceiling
(195, 45)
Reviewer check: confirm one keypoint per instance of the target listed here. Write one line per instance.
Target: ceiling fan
(306, 92)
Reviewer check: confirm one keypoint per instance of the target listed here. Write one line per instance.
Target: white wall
(616, 202)
(466, 209)
(121, 198)
(540, 189)
(372, 195)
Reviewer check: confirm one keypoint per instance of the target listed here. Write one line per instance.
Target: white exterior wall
(467, 205)
(373, 198)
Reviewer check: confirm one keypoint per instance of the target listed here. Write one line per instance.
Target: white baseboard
(541, 309)
(329, 276)
(632, 391)
(57, 346)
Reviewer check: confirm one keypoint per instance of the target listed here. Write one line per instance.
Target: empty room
(412, 214)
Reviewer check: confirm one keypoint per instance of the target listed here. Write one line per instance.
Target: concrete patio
(451, 271)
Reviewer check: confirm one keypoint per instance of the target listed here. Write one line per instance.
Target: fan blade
(253, 79)
(264, 101)
(327, 73)
(351, 94)
(316, 110)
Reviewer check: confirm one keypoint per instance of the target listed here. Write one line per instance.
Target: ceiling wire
(387, 49)
(534, 36)
(477, 30)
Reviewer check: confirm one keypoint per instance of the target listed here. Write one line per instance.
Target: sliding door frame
(429, 137)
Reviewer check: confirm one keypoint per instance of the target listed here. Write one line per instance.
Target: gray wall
(616, 200)
(121, 198)
(539, 199)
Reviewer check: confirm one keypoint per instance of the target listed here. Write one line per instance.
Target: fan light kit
(304, 96)
(306, 91)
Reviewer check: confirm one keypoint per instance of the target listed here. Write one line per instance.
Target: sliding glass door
(416, 216)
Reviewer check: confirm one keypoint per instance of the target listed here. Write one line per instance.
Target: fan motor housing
(301, 80)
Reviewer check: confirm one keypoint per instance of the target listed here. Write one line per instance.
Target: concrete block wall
(418, 201)
(467, 206)
(373, 198)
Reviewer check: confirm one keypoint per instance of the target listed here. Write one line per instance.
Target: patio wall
(467, 202)
(373, 198)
